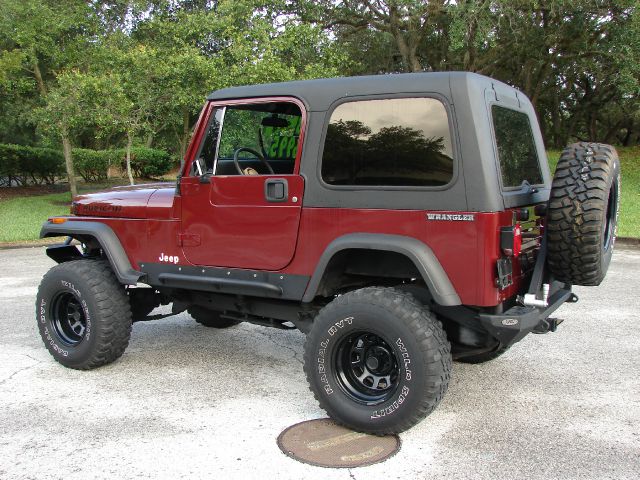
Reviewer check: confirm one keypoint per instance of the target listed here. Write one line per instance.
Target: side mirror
(206, 178)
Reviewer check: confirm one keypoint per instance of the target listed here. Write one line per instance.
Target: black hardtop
(320, 93)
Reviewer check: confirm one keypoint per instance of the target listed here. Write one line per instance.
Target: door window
(255, 139)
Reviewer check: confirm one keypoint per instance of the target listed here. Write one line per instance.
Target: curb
(628, 242)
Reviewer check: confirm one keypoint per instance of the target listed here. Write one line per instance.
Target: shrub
(92, 165)
(147, 162)
(21, 165)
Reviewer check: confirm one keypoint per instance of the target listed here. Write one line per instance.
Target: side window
(391, 142)
(517, 152)
(259, 139)
(208, 150)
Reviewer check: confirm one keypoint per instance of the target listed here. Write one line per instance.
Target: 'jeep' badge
(452, 217)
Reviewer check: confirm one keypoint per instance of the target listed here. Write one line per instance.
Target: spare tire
(582, 217)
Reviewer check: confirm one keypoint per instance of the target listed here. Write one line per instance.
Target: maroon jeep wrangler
(399, 221)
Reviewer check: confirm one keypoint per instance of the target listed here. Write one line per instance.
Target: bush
(147, 162)
(21, 165)
(92, 165)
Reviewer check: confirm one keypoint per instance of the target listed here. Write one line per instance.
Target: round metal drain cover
(323, 443)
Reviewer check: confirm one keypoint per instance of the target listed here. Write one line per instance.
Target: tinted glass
(516, 148)
(404, 142)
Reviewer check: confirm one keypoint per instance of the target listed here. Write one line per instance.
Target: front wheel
(83, 314)
(377, 360)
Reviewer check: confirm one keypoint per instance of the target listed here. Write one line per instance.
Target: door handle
(276, 190)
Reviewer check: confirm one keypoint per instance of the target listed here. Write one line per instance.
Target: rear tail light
(511, 240)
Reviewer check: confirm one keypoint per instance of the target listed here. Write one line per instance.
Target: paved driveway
(190, 402)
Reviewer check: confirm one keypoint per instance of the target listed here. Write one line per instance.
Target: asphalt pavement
(186, 401)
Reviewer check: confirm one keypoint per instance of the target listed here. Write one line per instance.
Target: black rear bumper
(511, 326)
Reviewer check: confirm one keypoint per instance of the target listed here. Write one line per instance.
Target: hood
(125, 202)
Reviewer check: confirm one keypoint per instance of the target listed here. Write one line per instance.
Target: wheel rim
(68, 319)
(610, 216)
(366, 367)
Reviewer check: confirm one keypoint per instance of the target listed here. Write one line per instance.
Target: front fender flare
(107, 238)
(420, 254)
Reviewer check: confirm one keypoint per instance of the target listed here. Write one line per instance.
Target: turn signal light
(511, 240)
(57, 220)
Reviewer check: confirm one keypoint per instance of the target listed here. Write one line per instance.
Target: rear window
(516, 148)
(391, 142)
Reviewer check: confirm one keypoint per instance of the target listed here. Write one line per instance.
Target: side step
(222, 285)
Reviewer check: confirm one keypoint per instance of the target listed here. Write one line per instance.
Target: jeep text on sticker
(452, 217)
(169, 258)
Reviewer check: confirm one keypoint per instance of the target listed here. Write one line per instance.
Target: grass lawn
(21, 217)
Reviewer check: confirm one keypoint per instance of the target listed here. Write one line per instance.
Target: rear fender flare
(104, 235)
(420, 254)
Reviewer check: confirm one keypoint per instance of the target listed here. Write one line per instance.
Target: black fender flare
(107, 238)
(420, 254)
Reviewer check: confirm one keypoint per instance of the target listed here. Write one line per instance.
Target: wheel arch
(417, 253)
(102, 234)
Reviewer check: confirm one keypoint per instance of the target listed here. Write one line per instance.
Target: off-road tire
(483, 357)
(89, 290)
(583, 213)
(210, 318)
(411, 341)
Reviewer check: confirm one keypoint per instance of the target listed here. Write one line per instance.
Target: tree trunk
(42, 88)
(68, 161)
(129, 143)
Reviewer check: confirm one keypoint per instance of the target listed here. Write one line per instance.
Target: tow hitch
(547, 325)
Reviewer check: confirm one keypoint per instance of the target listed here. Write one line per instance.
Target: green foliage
(93, 165)
(148, 162)
(22, 165)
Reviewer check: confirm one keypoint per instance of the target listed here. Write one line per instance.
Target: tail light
(511, 240)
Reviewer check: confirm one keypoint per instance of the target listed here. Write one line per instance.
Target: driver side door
(235, 212)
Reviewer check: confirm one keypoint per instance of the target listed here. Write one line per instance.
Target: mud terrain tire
(210, 318)
(83, 314)
(377, 360)
(583, 213)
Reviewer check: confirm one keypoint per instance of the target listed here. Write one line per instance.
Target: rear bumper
(511, 326)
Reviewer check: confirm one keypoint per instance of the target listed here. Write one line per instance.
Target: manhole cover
(323, 443)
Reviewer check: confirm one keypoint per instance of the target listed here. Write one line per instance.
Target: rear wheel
(210, 318)
(377, 360)
(83, 314)
(583, 213)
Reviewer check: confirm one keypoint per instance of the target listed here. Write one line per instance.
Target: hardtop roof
(319, 94)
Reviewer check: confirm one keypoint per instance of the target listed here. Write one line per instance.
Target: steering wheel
(257, 155)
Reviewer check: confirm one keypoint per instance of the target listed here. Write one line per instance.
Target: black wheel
(83, 314)
(210, 318)
(583, 213)
(483, 357)
(377, 360)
